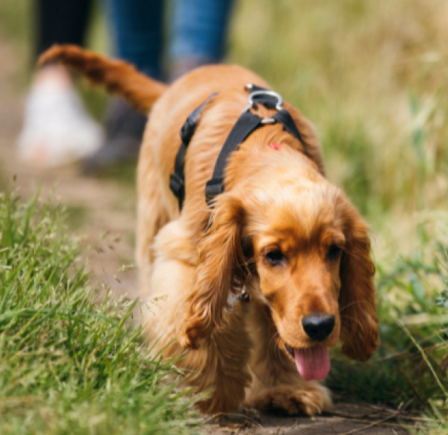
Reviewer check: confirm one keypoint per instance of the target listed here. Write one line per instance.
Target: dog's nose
(318, 326)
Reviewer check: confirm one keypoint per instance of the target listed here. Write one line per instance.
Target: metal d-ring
(253, 94)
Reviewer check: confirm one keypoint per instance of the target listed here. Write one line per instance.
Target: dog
(259, 285)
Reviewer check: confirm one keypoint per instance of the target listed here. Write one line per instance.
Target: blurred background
(372, 77)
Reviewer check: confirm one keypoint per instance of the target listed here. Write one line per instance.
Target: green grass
(67, 364)
(76, 216)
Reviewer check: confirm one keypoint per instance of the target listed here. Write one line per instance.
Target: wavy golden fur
(275, 199)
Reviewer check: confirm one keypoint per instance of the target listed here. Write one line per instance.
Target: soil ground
(102, 212)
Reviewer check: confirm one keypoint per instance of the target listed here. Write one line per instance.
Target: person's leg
(60, 22)
(137, 27)
(56, 127)
(199, 32)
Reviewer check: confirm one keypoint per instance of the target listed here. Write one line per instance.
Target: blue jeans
(198, 30)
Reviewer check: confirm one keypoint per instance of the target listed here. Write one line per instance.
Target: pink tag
(275, 146)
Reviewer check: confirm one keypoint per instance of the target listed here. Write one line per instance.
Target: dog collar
(246, 124)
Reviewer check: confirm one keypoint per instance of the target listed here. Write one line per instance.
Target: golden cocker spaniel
(262, 284)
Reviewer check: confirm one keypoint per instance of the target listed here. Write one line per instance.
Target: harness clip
(263, 93)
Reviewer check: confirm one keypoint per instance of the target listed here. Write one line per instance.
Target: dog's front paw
(309, 399)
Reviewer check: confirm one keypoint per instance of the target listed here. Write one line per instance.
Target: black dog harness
(246, 124)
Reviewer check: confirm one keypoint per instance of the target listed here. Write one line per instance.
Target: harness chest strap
(177, 179)
(246, 124)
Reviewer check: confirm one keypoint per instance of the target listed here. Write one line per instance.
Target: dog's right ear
(219, 268)
(359, 323)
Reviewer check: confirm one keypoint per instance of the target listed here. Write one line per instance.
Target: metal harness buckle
(270, 93)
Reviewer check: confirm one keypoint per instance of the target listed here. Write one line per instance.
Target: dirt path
(346, 419)
(106, 206)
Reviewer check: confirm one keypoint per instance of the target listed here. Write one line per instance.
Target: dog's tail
(117, 76)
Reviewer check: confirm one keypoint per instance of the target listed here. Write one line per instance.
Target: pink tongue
(312, 363)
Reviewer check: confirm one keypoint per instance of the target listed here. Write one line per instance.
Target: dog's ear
(219, 270)
(359, 330)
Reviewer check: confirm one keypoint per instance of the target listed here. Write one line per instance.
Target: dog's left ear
(359, 330)
(219, 270)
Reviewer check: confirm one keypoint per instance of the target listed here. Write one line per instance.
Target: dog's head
(307, 253)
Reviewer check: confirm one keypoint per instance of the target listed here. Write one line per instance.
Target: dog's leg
(219, 367)
(223, 366)
(276, 384)
(151, 211)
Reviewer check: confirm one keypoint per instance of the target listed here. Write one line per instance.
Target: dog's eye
(333, 252)
(275, 257)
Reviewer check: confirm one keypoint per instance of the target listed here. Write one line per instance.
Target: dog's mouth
(312, 363)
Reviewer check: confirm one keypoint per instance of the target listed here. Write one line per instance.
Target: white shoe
(57, 129)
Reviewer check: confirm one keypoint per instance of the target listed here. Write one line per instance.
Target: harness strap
(177, 179)
(285, 118)
(246, 124)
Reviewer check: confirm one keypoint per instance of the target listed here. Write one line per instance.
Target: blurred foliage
(372, 77)
(16, 20)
